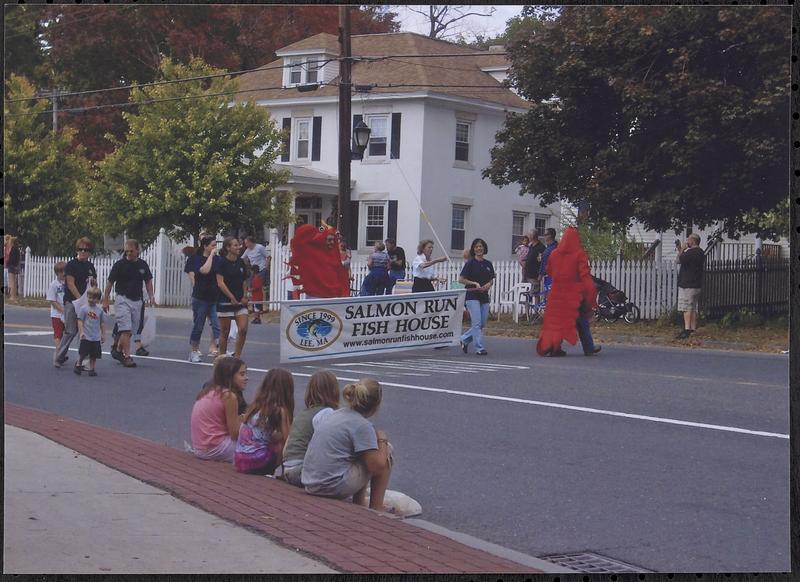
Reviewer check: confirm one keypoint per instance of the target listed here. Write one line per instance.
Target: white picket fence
(653, 286)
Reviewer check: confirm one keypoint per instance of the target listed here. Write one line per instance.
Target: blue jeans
(478, 315)
(585, 335)
(394, 277)
(200, 311)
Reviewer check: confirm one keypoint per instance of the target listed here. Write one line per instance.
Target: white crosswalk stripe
(430, 366)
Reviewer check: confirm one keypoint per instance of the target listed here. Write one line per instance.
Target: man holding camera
(690, 281)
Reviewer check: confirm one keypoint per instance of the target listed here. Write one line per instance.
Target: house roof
(458, 76)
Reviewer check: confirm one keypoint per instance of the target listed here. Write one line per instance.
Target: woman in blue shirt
(478, 277)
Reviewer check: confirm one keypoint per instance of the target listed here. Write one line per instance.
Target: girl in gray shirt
(346, 454)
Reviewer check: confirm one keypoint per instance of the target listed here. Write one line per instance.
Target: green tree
(192, 161)
(24, 50)
(672, 115)
(42, 174)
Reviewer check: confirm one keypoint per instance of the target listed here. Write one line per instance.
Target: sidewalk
(66, 513)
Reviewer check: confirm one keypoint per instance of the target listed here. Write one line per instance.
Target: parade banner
(318, 329)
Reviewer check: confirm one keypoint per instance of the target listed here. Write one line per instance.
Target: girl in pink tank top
(217, 411)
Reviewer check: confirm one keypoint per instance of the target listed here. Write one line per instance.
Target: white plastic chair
(516, 299)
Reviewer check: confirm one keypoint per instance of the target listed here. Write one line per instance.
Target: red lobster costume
(571, 295)
(315, 267)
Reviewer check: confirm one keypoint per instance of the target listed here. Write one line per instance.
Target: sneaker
(196, 356)
(128, 362)
(464, 347)
(142, 352)
(594, 352)
(482, 353)
(213, 352)
(684, 334)
(117, 355)
(92, 373)
(77, 369)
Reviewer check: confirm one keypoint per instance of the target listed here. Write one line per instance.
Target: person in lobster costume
(315, 264)
(571, 299)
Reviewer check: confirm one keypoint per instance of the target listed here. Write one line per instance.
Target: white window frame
(365, 206)
(369, 119)
(465, 225)
(468, 125)
(312, 66)
(296, 66)
(540, 218)
(296, 138)
(517, 236)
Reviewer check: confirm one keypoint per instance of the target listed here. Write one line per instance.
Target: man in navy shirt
(79, 271)
(550, 245)
(128, 273)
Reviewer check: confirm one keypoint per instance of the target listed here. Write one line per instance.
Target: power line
(168, 82)
(236, 73)
(471, 88)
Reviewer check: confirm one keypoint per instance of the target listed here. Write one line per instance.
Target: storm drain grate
(592, 563)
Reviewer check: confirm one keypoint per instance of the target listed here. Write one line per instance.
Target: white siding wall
(490, 215)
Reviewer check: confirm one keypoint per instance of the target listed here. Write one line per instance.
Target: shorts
(238, 312)
(58, 327)
(13, 270)
(354, 480)
(90, 349)
(127, 313)
(688, 299)
(222, 452)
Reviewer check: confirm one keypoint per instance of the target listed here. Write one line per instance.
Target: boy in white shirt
(55, 295)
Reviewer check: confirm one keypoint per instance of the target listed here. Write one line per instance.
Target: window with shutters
(458, 227)
(379, 132)
(302, 133)
(374, 222)
(463, 130)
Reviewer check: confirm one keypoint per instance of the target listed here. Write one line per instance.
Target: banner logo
(314, 329)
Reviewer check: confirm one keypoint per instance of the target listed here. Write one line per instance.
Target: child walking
(259, 448)
(322, 398)
(92, 331)
(55, 295)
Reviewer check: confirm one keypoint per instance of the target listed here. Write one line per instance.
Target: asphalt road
(668, 459)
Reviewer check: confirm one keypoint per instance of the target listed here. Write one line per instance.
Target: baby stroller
(613, 303)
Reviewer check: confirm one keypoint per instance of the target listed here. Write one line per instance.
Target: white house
(433, 119)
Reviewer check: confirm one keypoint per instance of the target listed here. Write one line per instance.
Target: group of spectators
(330, 451)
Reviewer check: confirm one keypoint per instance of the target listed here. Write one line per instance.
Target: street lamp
(361, 136)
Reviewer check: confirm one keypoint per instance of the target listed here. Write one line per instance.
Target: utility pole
(343, 220)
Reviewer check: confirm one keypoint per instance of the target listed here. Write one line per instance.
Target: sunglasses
(84, 250)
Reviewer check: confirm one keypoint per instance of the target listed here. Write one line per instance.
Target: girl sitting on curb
(266, 424)
(346, 454)
(217, 411)
(322, 398)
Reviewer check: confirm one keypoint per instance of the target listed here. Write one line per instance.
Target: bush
(670, 318)
(741, 318)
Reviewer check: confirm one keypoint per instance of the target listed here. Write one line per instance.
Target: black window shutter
(352, 236)
(395, 151)
(391, 227)
(287, 141)
(353, 150)
(316, 139)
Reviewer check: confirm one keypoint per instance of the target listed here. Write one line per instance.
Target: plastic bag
(148, 334)
(400, 504)
(234, 331)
